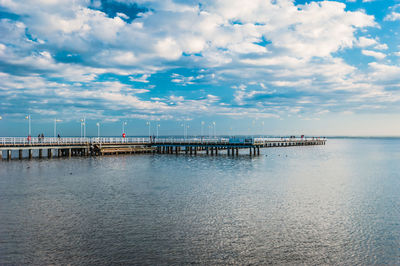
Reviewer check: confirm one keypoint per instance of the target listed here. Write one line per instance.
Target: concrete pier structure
(69, 147)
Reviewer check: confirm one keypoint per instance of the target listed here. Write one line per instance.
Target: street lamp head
(97, 124)
(27, 117)
(1, 117)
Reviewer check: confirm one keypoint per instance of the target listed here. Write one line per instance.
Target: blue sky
(273, 67)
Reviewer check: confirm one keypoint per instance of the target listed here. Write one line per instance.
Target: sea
(334, 204)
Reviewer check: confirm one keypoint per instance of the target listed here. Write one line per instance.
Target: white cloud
(143, 78)
(297, 52)
(393, 16)
(365, 42)
(168, 49)
(377, 55)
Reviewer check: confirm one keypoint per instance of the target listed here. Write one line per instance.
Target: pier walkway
(67, 147)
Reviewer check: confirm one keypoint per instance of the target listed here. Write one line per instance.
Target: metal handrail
(109, 140)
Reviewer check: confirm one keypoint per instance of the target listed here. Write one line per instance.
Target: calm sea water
(333, 204)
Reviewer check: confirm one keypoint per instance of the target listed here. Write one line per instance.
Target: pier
(70, 147)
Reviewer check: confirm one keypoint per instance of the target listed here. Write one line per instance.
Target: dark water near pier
(333, 204)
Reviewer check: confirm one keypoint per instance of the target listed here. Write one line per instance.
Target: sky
(271, 67)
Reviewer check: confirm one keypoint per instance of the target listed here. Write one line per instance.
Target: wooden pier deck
(68, 147)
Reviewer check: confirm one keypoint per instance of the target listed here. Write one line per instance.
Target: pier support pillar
(195, 150)
(49, 153)
(212, 150)
(30, 154)
(258, 150)
(191, 150)
(8, 154)
(20, 154)
(237, 151)
(228, 151)
(216, 150)
(1, 155)
(250, 151)
(207, 150)
(176, 150)
(40, 153)
(69, 152)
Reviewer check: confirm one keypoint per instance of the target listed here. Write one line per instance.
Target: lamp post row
(211, 127)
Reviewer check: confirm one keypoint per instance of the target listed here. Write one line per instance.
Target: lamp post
(98, 129)
(187, 129)
(83, 125)
(148, 123)
(55, 126)
(184, 130)
(124, 123)
(29, 124)
(215, 131)
(202, 128)
(158, 125)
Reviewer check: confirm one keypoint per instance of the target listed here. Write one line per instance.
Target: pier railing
(107, 140)
(63, 141)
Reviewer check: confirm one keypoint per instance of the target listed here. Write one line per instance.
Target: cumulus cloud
(94, 55)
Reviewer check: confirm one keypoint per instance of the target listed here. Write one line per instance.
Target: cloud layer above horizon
(183, 60)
